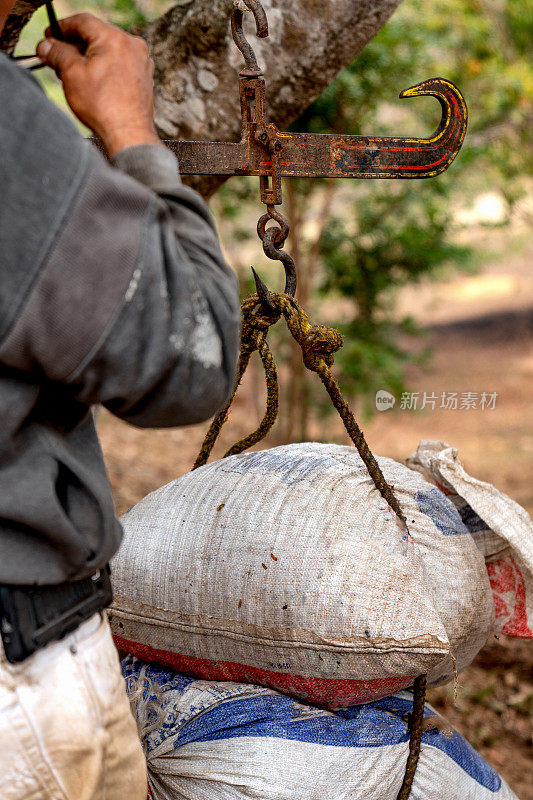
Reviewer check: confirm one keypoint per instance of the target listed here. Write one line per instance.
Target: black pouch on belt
(33, 616)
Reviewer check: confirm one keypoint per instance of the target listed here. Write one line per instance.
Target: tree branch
(20, 15)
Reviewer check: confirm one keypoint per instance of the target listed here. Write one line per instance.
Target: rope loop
(256, 318)
(318, 344)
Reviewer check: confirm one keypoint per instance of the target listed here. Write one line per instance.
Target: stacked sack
(286, 569)
(208, 740)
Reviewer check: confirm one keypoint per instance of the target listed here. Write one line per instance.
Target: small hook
(251, 69)
(273, 239)
(272, 251)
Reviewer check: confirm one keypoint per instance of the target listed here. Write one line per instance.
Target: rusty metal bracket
(271, 154)
(268, 153)
(316, 155)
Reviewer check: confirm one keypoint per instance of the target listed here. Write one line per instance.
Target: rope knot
(320, 342)
(255, 322)
(263, 320)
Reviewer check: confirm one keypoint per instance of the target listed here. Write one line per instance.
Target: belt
(33, 616)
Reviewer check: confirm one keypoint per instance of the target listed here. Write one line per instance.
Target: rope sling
(318, 344)
(322, 155)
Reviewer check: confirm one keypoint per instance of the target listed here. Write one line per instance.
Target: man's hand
(107, 79)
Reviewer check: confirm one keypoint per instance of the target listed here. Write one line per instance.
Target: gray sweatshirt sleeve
(130, 303)
(170, 354)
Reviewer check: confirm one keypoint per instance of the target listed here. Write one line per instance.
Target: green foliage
(399, 237)
(128, 13)
(125, 13)
(390, 234)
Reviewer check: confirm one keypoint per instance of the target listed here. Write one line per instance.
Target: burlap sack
(286, 567)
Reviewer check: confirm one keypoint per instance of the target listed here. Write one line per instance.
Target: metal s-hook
(273, 239)
(251, 69)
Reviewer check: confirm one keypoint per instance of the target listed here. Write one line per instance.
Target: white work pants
(66, 730)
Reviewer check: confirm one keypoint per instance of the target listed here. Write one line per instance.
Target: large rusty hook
(251, 69)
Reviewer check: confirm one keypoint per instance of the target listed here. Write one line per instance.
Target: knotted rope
(319, 345)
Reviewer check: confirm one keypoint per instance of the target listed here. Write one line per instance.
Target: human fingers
(107, 77)
(61, 56)
(84, 27)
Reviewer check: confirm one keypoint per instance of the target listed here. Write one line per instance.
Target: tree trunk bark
(20, 15)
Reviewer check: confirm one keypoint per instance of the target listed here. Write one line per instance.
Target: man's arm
(131, 303)
(170, 355)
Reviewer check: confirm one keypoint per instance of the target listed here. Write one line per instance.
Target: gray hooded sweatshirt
(113, 290)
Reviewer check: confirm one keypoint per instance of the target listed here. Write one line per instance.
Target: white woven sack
(205, 740)
(286, 567)
(501, 528)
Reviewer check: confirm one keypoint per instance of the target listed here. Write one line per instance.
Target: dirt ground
(483, 343)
